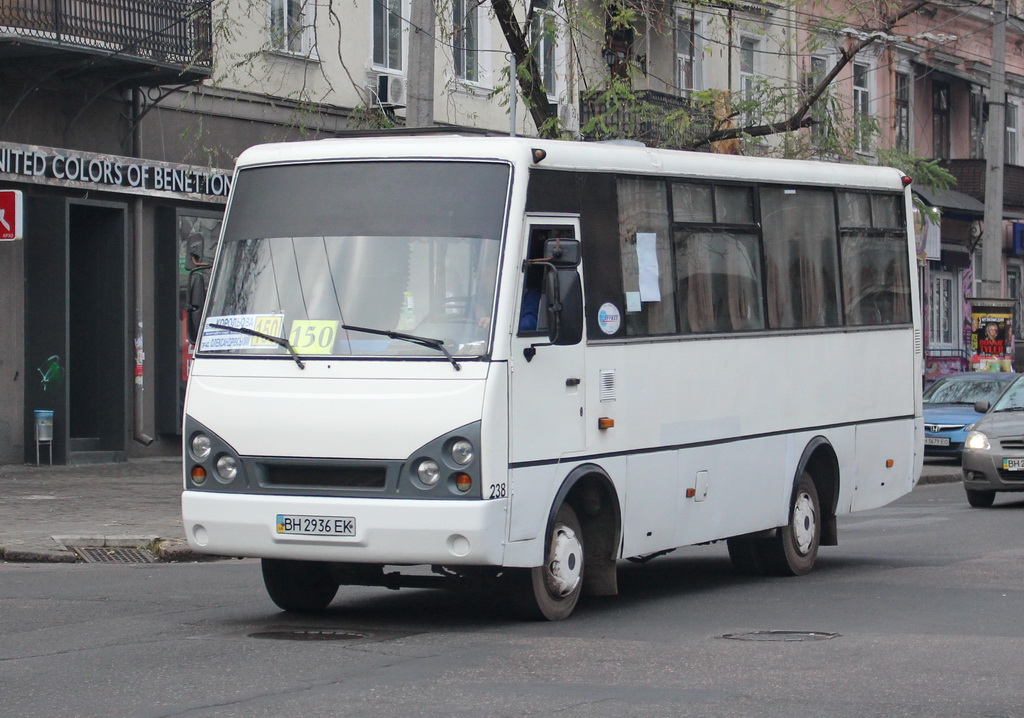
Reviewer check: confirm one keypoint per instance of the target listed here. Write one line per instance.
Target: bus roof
(579, 156)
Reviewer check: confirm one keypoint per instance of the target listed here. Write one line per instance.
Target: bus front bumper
(380, 531)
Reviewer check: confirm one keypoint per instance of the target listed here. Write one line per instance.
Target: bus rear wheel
(551, 591)
(299, 586)
(793, 551)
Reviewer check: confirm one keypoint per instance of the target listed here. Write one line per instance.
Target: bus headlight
(428, 472)
(201, 446)
(976, 441)
(227, 468)
(462, 452)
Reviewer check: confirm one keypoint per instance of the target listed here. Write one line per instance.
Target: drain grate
(107, 554)
(785, 636)
(309, 635)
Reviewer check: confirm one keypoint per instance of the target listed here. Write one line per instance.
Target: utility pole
(420, 89)
(992, 239)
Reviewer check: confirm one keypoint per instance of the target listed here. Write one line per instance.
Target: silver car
(993, 457)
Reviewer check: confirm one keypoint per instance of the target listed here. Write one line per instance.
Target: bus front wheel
(551, 591)
(299, 586)
(793, 551)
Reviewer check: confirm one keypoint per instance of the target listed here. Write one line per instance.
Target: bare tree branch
(529, 81)
(800, 118)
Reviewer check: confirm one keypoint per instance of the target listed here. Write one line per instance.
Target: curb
(165, 551)
(13, 555)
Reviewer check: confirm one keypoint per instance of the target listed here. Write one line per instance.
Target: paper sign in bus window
(216, 339)
(647, 258)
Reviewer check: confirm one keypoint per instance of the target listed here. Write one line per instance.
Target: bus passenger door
(547, 382)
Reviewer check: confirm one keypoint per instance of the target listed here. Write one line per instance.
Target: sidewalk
(131, 504)
(134, 504)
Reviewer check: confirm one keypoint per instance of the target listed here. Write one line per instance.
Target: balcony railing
(168, 32)
(655, 118)
(970, 179)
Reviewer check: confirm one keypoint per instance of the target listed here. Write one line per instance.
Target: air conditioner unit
(391, 90)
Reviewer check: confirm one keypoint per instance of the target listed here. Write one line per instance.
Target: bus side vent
(918, 342)
(607, 385)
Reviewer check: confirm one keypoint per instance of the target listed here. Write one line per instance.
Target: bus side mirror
(196, 300)
(564, 293)
(982, 407)
(562, 252)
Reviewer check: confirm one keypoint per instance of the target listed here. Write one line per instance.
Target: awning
(950, 199)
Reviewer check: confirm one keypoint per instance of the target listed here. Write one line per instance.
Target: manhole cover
(108, 554)
(309, 635)
(781, 636)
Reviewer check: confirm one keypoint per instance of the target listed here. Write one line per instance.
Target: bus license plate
(1013, 464)
(316, 525)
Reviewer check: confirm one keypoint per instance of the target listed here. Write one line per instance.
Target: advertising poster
(991, 337)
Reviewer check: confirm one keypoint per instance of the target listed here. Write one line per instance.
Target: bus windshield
(335, 257)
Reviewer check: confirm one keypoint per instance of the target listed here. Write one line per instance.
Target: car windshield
(967, 390)
(1012, 399)
(359, 259)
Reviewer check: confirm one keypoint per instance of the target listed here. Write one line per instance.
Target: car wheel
(299, 586)
(980, 499)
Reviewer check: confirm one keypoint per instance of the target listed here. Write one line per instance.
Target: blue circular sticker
(609, 318)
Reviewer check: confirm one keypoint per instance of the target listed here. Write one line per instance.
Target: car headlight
(976, 441)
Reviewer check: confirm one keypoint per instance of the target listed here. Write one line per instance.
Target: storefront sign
(69, 168)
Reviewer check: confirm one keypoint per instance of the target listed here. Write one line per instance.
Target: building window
(942, 325)
(466, 39)
(817, 69)
(1011, 133)
(543, 31)
(979, 119)
(748, 67)
(291, 26)
(902, 114)
(688, 53)
(862, 107)
(387, 34)
(940, 120)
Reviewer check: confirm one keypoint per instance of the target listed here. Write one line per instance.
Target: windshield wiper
(269, 337)
(422, 341)
(1009, 408)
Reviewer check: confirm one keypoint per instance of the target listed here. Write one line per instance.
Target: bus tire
(793, 551)
(745, 554)
(980, 499)
(299, 586)
(550, 592)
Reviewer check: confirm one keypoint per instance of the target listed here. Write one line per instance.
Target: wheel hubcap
(804, 522)
(566, 565)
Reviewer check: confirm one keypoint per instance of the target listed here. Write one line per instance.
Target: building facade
(121, 124)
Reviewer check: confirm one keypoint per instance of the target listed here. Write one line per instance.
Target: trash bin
(44, 425)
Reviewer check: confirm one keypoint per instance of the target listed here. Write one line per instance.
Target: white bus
(726, 348)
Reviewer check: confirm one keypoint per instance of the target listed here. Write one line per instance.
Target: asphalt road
(916, 613)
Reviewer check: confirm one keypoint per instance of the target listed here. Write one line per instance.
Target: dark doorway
(96, 333)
